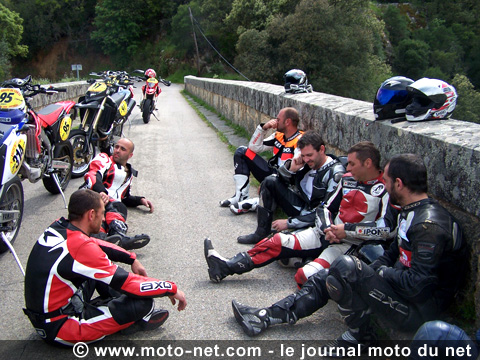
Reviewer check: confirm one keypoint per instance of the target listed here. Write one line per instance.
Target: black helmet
(392, 98)
(433, 99)
(296, 82)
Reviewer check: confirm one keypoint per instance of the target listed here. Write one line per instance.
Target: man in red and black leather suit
(355, 212)
(66, 266)
(112, 176)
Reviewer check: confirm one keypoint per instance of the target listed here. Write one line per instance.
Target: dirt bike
(150, 92)
(34, 146)
(103, 110)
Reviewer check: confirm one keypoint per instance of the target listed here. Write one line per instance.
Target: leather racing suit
(104, 175)
(299, 194)
(63, 270)
(363, 207)
(414, 281)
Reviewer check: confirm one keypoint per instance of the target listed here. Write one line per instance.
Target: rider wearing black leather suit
(411, 283)
(300, 185)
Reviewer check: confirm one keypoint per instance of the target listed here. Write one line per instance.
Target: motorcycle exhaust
(130, 106)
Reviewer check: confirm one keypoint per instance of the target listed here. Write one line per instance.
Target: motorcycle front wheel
(146, 110)
(11, 201)
(63, 152)
(81, 158)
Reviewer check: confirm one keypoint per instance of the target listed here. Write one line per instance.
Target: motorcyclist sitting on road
(111, 176)
(300, 185)
(247, 160)
(66, 267)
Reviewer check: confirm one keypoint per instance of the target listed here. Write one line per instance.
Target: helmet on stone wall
(392, 98)
(433, 99)
(150, 73)
(296, 82)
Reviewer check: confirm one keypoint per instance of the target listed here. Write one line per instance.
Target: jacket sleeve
(131, 200)
(92, 262)
(94, 176)
(418, 281)
(382, 229)
(258, 143)
(389, 257)
(324, 214)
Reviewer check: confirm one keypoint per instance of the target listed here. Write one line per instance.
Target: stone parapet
(450, 148)
(74, 90)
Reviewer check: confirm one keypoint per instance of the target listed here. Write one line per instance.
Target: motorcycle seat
(49, 114)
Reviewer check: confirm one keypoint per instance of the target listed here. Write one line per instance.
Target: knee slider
(338, 289)
(346, 267)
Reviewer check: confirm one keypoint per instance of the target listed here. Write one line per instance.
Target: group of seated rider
(365, 236)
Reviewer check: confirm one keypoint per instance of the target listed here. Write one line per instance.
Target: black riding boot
(220, 267)
(117, 227)
(304, 302)
(264, 220)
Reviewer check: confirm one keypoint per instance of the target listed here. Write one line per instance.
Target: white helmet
(432, 99)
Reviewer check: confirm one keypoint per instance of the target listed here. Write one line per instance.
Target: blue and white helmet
(392, 98)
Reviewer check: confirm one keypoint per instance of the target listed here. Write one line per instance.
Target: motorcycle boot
(264, 221)
(242, 187)
(117, 227)
(220, 267)
(156, 319)
(253, 320)
(114, 238)
(245, 206)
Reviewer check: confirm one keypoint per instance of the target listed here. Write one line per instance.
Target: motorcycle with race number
(103, 109)
(150, 92)
(34, 145)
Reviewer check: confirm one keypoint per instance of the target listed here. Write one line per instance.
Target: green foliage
(118, 26)
(11, 30)
(257, 14)
(412, 58)
(47, 21)
(337, 46)
(396, 24)
(468, 103)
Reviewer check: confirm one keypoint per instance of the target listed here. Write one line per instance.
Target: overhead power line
(197, 24)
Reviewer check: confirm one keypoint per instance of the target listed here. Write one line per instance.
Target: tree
(468, 103)
(257, 14)
(11, 30)
(47, 21)
(118, 27)
(412, 58)
(337, 44)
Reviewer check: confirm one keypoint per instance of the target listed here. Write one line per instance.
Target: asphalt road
(185, 169)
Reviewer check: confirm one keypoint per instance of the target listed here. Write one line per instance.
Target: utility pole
(195, 39)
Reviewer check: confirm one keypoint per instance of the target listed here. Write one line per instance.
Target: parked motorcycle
(150, 92)
(34, 146)
(104, 109)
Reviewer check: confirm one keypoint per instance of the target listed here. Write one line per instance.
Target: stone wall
(450, 148)
(74, 91)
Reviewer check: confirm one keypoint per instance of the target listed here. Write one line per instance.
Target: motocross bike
(150, 92)
(104, 109)
(34, 146)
